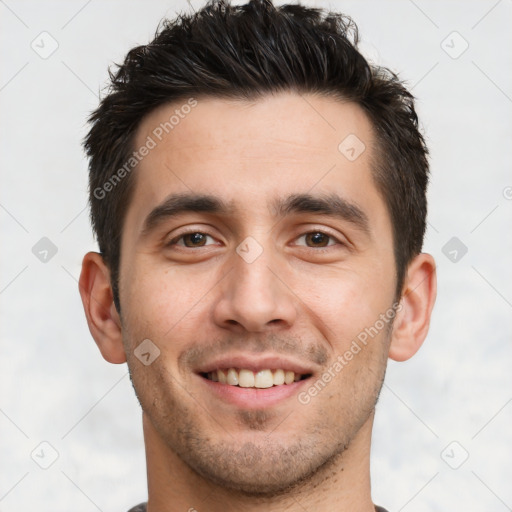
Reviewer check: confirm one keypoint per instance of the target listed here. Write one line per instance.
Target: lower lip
(253, 398)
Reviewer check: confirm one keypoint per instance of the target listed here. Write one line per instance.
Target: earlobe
(102, 316)
(412, 321)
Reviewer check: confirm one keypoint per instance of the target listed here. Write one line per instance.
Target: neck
(343, 484)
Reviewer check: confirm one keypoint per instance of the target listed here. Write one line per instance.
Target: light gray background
(56, 388)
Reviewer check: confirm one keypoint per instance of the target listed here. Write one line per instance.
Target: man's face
(274, 252)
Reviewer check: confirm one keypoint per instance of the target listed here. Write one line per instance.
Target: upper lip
(256, 363)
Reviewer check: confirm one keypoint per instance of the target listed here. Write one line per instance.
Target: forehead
(286, 125)
(250, 153)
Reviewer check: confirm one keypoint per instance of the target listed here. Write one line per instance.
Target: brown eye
(194, 239)
(317, 239)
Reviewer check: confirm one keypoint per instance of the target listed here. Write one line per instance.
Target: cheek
(344, 302)
(160, 301)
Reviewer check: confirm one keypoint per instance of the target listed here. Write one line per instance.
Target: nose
(254, 297)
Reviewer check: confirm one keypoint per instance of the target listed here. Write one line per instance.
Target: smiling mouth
(248, 379)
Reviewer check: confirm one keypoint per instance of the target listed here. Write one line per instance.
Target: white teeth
(263, 379)
(249, 379)
(221, 375)
(246, 379)
(278, 377)
(232, 378)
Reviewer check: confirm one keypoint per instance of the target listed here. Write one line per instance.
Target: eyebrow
(331, 205)
(178, 204)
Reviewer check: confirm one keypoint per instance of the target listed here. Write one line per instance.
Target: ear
(102, 316)
(418, 296)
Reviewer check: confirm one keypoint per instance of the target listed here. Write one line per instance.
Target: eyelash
(183, 235)
(318, 249)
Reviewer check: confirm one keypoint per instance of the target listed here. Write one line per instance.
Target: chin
(264, 471)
